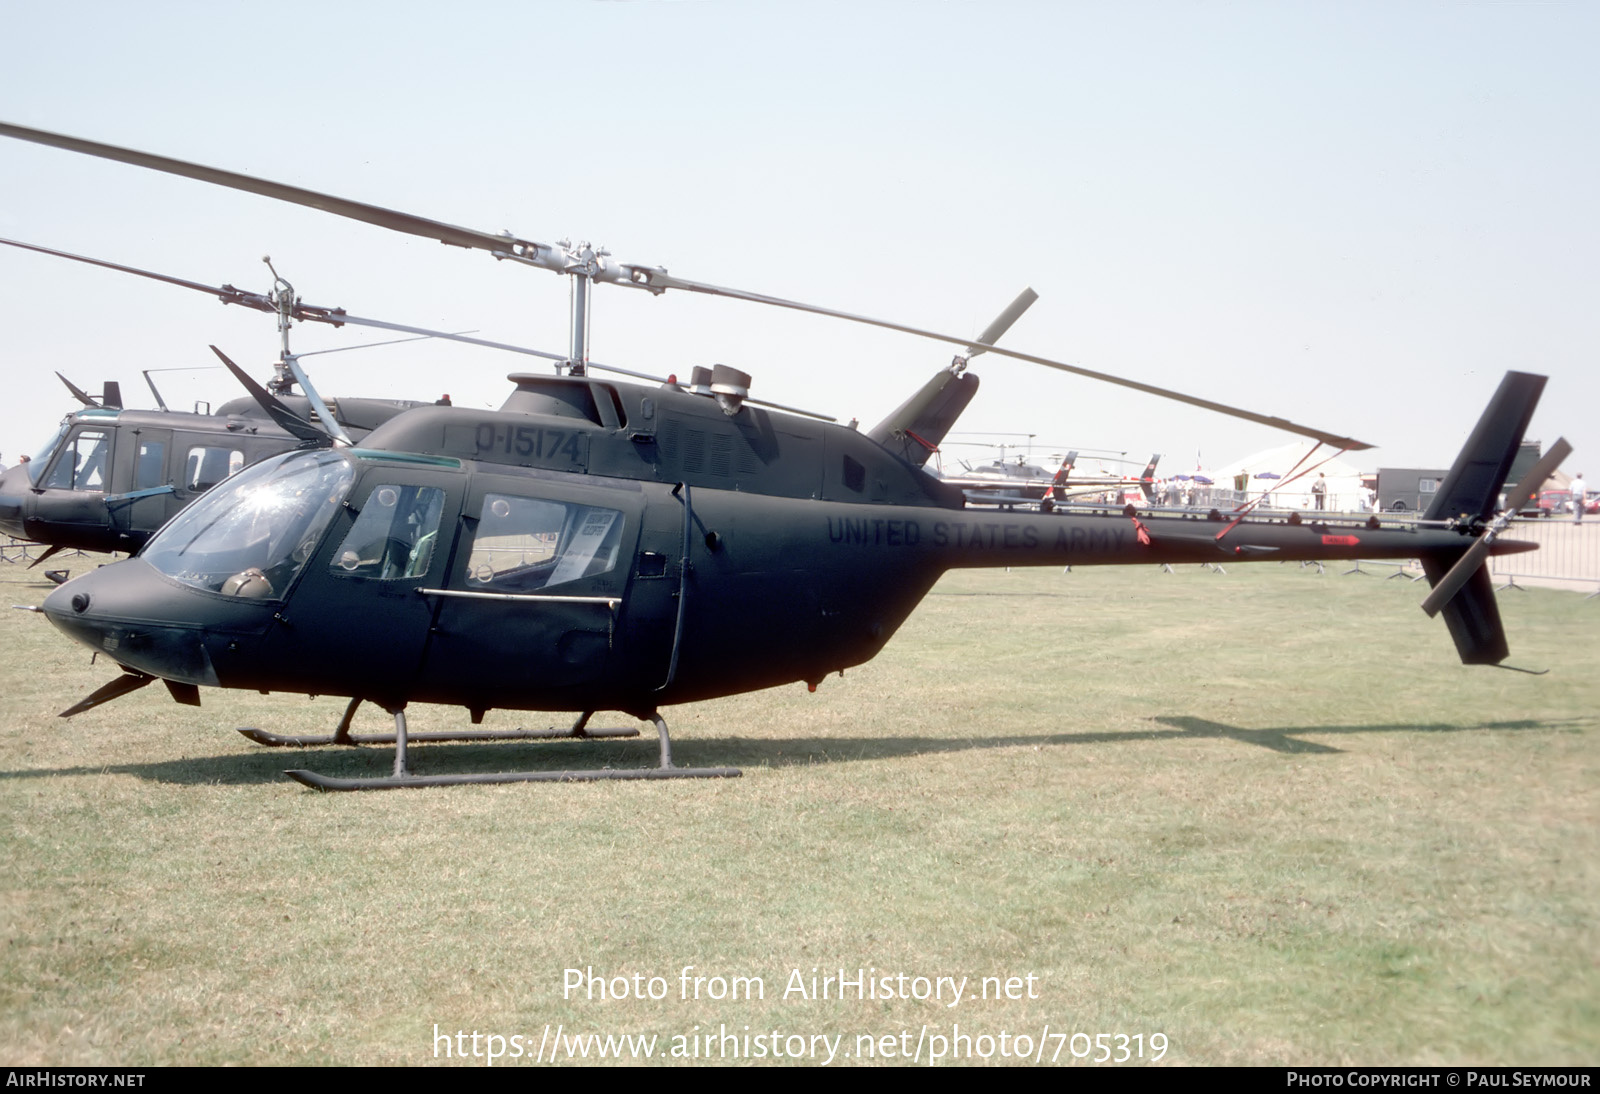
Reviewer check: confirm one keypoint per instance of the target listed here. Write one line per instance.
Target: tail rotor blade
(1458, 575)
(1538, 474)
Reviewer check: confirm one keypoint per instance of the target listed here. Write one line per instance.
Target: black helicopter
(600, 545)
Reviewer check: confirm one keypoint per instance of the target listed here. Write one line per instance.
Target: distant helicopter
(1012, 483)
(599, 545)
(110, 477)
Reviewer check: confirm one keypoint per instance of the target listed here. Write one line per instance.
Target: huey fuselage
(110, 477)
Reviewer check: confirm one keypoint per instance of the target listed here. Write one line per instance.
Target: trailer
(1411, 489)
(1408, 489)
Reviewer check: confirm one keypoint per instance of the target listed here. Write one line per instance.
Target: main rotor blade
(337, 317)
(993, 332)
(356, 210)
(226, 293)
(651, 279)
(662, 280)
(286, 419)
(310, 313)
(77, 392)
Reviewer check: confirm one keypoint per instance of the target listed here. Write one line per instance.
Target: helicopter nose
(129, 613)
(14, 486)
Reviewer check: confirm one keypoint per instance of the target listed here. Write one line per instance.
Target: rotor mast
(583, 264)
(287, 372)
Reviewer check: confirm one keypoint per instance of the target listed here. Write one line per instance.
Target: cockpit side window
(151, 468)
(525, 544)
(83, 463)
(395, 536)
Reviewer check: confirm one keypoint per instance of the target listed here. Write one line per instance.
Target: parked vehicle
(1554, 503)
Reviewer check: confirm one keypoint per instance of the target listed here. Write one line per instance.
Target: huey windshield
(40, 459)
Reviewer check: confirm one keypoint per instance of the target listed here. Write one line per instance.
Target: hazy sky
(1353, 215)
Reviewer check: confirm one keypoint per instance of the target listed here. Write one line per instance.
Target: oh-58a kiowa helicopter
(605, 545)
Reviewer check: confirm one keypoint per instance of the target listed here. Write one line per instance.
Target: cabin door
(531, 616)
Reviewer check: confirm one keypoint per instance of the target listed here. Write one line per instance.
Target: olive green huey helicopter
(607, 545)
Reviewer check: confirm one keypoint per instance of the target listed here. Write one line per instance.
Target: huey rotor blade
(358, 321)
(330, 423)
(651, 279)
(1468, 563)
(226, 293)
(77, 392)
(286, 419)
(311, 313)
(1002, 323)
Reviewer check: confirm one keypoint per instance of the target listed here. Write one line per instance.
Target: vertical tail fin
(1147, 480)
(918, 426)
(1473, 615)
(1060, 481)
(1470, 495)
(1472, 489)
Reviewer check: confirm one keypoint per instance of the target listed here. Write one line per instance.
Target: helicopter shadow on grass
(266, 766)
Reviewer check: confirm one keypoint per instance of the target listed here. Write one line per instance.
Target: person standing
(1319, 490)
(1580, 491)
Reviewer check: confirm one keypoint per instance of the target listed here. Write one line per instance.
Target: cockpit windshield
(41, 458)
(252, 535)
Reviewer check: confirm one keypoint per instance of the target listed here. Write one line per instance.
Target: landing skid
(403, 779)
(343, 736)
(278, 740)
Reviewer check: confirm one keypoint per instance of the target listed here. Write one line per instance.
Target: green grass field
(1265, 815)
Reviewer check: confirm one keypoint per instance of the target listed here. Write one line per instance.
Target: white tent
(1343, 479)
